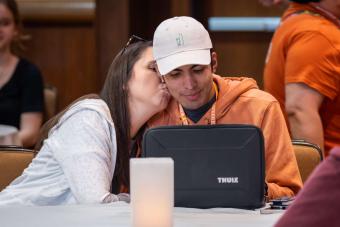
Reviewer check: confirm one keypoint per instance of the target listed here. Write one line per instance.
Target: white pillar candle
(152, 191)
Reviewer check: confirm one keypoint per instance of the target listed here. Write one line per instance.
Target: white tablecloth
(119, 214)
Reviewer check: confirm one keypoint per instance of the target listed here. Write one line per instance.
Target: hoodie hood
(97, 105)
(230, 90)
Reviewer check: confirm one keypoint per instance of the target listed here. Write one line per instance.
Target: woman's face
(8, 29)
(145, 84)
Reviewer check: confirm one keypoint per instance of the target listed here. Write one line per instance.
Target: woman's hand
(124, 197)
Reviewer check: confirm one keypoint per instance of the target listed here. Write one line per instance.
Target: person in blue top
(21, 84)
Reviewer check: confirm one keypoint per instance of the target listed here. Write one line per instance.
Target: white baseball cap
(181, 41)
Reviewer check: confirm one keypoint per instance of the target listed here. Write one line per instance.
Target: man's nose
(189, 81)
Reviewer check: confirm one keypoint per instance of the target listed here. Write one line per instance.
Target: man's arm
(302, 107)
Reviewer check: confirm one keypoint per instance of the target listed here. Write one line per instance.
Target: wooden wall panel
(112, 32)
(240, 53)
(146, 15)
(74, 52)
(181, 7)
(57, 10)
(66, 56)
(62, 44)
(242, 8)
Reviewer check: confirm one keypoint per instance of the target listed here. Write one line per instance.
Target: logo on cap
(180, 40)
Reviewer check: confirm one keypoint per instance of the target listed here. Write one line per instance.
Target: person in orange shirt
(183, 52)
(303, 71)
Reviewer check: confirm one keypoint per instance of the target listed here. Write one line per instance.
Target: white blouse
(75, 164)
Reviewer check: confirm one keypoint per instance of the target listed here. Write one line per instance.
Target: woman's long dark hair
(115, 94)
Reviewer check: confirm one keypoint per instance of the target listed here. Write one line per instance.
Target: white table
(119, 214)
(9, 135)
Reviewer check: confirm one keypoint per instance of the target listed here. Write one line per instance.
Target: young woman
(21, 85)
(89, 142)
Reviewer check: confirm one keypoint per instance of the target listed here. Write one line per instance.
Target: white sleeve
(83, 147)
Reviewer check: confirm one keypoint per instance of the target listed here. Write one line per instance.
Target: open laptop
(215, 165)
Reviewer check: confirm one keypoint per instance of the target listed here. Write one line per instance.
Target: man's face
(191, 85)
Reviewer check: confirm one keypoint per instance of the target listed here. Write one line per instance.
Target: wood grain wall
(112, 32)
(66, 56)
(74, 41)
(62, 44)
(241, 53)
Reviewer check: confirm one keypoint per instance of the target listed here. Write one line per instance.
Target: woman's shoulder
(95, 105)
(86, 113)
(27, 65)
(27, 70)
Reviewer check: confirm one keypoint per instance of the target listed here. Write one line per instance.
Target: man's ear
(214, 62)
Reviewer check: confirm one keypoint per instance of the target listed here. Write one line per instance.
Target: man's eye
(198, 70)
(174, 74)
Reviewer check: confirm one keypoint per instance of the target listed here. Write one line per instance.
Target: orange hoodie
(241, 102)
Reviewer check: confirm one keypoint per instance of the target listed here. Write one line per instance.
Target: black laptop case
(215, 165)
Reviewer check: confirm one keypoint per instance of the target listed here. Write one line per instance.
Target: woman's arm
(31, 102)
(30, 123)
(85, 147)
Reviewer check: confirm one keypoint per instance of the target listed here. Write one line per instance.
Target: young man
(303, 70)
(184, 56)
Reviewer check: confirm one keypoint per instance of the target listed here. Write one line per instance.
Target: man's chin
(191, 105)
